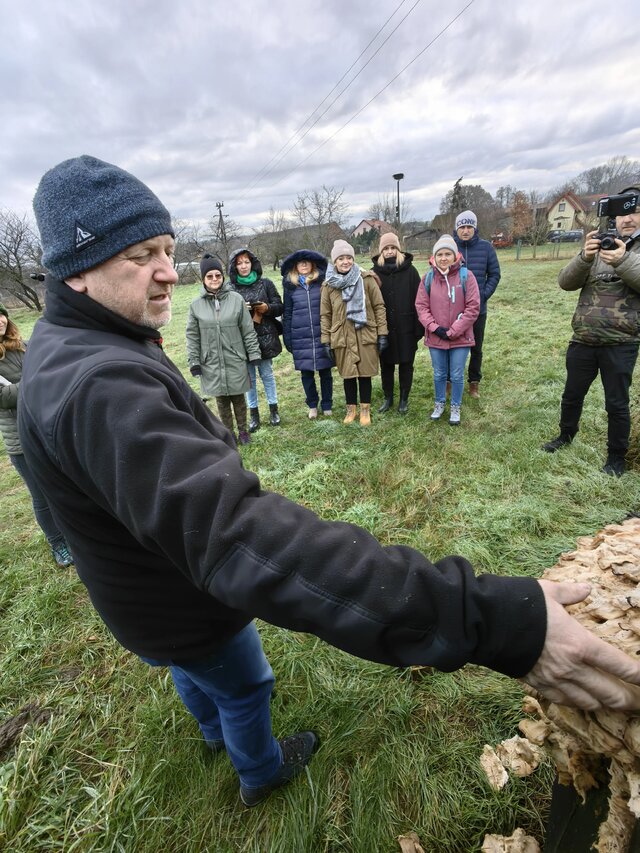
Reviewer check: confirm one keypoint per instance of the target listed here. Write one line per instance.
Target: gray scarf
(352, 287)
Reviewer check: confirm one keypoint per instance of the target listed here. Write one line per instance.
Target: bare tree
(226, 234)
(469, 197)
(384, 209)
(539, 227)
(190, 246)
(609, 177)
(20, 255)
(272, 240)
(321, 213)
(521, 216)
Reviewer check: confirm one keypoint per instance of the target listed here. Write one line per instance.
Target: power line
(281, 153)
(371, 100)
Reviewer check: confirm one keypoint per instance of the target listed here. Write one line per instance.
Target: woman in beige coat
(353, 327)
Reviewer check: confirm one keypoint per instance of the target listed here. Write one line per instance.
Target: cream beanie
(341, 247)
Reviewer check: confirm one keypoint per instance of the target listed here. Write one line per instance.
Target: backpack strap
(427, 282)
(464, 272)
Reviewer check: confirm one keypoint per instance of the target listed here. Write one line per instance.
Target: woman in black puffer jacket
(265, 304)
(399, 282)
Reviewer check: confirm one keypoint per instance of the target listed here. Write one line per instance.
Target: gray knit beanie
(467, 217)
(209, 263)
(88, 210)
(445, 242)
(341, 247)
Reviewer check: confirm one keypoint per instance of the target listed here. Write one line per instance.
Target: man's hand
(576, 667)
(591, 247)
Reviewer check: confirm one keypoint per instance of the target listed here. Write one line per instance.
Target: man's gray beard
(146, 320)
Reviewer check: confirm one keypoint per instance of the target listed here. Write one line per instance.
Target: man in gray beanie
(480, 257)
(179, 546)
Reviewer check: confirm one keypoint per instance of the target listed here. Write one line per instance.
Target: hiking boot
(403, 405)
(62, 555)
(296, 753)
(254, 420)
(454, 415)
(313, 413)
(614, 466)
(561, 441)
(274, 417)
(438, 409)
(365, 414)
(243, 437)
(386, 405)
(350, 416)
(474, 390)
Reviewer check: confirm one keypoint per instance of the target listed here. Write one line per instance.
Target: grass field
(112, 762)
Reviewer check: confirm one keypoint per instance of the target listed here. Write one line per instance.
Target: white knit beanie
(341, 247)
(467, 217)
(446, 242)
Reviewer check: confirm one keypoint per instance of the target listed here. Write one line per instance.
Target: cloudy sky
(207, 101)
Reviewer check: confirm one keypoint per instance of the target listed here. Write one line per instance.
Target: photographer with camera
(606, 331)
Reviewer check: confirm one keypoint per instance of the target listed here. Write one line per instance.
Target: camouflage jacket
(608, 310)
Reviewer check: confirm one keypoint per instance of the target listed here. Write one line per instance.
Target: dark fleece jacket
(179, 546)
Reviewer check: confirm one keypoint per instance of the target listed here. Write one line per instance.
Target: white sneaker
(313, 414)
(454, 415)
(438, 409)
(327, 413)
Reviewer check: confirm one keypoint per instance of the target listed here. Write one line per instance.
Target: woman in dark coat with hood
(265, 304)
(399, 282)
(302, 276)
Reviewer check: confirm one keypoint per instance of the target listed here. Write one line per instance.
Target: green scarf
(247, 279)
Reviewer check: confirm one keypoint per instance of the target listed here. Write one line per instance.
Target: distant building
(375, 224)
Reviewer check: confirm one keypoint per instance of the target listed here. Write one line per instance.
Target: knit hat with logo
(467, 217)
(88, 210)
(341, 247)
(445, 242)
(209, 263)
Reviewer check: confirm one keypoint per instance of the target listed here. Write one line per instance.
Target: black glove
(255, 361)
(383, 342)
(196, 370)
(441, 332)
(329, 353)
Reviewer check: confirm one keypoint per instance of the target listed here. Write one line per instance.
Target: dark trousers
(239, 408)
(311, 390)
(40, 506)
(615, 364)
(475, 361)
(405, 377)
(351, 387)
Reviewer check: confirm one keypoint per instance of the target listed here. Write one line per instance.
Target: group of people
(176, 542)
(338, 314)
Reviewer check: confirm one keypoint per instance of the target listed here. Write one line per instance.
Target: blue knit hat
(88, 210)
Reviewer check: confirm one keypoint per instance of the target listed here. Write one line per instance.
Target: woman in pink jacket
(448, 303)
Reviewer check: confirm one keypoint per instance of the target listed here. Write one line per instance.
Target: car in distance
(568, 237)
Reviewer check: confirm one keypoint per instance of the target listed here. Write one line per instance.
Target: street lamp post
(397, 178)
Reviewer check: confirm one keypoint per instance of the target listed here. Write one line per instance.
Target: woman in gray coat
(12, 351)
(221, 339)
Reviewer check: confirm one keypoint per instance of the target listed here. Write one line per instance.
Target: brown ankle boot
(365, 414)
(350, 416)
(474, 389)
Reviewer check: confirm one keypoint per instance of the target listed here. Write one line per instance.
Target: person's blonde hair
(399, 258)
(294, 275)
(11, 342)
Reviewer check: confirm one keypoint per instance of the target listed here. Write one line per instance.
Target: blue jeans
(229, 694)
(40, 506)
(449, 363)
(265, 369)
(311, 390)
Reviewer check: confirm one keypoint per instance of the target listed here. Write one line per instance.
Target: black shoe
(614, 466)
(561, 441)
(254, 420)
(296, 753)
(386, 405)
(274, 417)
(403, 405)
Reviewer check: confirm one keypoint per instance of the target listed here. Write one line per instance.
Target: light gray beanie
(467, 217)
(341, 247)
(88, 210)
(446, 242)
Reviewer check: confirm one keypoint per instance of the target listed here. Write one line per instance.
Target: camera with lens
(607, 239)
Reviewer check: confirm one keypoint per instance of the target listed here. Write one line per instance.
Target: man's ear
(77, 283)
